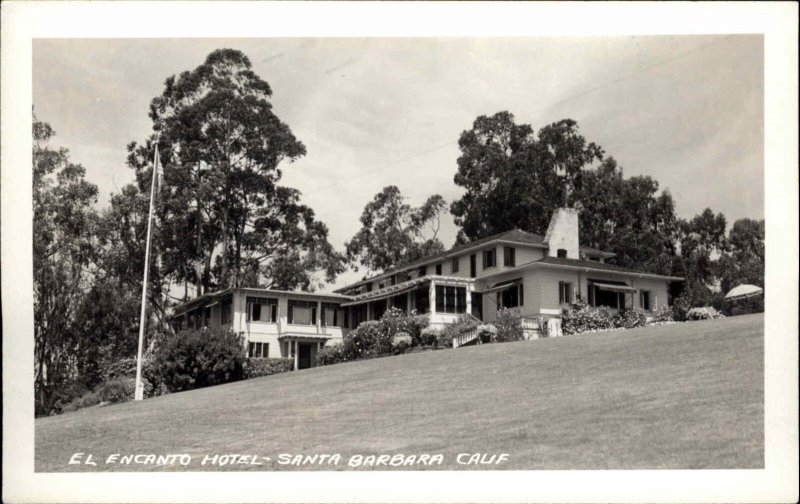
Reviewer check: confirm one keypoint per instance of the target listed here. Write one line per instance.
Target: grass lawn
(674, 397)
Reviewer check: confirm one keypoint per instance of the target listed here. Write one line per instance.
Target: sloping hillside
(678, 396)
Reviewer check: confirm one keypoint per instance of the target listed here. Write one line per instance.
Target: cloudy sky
(686, 110)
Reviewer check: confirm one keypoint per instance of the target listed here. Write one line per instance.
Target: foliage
(703, 313)
(224, 220)
(254, 368)
(580, 317)
(429, 337)
(331, 354)
(509, 325)
(112, 391)
(753, 304)
(462, 325)
(742, 262)
(663, 314)
(401, 342)
(64, 224)
(199, 358)
(487, 332)
(392, 231)
(630, 318)
(515, 179)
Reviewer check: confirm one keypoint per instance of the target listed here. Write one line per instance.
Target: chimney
(562, 234)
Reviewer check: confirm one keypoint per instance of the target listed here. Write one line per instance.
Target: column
(469, 299)
(432, 296)
(319, 317)
(296, 353)
(409, 305)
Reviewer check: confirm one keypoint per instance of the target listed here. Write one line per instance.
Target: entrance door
(304, 356)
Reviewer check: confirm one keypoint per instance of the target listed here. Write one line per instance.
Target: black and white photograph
(390, 256)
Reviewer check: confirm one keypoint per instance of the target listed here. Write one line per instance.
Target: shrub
(630, 318)
(744, 306)
(198, 358)
(64, 395)
(663, 314)
(703, 313)
(125, 367)
(401, 342)
(332, 354)
(580, 317)
(429, 337)
(509, 325)
(116, 390)
(487, 332)
(253, 368)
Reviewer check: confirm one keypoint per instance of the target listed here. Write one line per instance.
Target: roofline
(539, 263)
(186, 306)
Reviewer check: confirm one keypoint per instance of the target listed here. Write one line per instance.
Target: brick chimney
(562, 234)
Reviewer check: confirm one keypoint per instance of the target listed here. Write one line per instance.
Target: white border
(23, 21)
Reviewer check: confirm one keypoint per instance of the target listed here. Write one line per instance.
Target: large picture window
(261, 309)
(302, 312)
(511, 297)
(451, 299)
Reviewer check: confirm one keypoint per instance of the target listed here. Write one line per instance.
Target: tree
(393, 232)
(742, 262)
(63, 253)
(514, 179)
(700, 238)
(221, 209)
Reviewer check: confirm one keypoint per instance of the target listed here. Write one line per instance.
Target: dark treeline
(223, 220)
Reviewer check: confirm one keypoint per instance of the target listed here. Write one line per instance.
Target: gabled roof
(511, 236)
(586, 265)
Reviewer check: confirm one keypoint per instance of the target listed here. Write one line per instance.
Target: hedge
(256, 367)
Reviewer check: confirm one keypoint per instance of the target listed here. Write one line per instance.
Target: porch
(302, 348)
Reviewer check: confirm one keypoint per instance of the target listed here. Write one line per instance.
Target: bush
(198, 358)
(401, 342)
(744, 306)
(65, 395)
(487, 332)
(630, 318)
(429, 337)
(255, 367)
(509, 325)
(580, 317)
(116, 390)
(703, 313)
(663, 314)
(333, 354)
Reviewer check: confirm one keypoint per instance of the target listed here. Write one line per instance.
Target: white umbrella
(744, 291)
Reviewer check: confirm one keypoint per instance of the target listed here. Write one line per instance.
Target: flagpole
(139, 388)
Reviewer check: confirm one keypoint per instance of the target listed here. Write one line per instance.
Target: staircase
(465, 338)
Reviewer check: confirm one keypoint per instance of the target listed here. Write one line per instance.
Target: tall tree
(221, 209)
(63, 253)
(742, 262)
(701, 239)
(514, 178)
(393, 232)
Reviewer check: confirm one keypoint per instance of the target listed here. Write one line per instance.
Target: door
(304, 356)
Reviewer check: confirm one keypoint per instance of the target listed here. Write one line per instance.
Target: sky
(685, 110)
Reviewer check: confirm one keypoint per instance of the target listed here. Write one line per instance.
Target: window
(380, 285)
(400, 301)
(302, 312)
(566, 293)
(473, 268)
(561, 253)
(421, 299)
(451, 299)
(261, 309)
(454, 265)
(332, 315)
(393, 280)
(489, 258)
(256, 349)
(226, 316)
(510, 297)
(509, 256)
(439, 269)
(422, 271)
(644, 297)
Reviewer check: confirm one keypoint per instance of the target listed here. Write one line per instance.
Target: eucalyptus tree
(223, 219)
